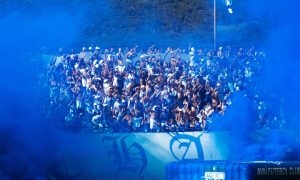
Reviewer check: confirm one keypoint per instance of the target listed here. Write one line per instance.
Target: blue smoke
(29, 144)
(279, 84)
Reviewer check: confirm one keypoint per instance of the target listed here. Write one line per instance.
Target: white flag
(228, 4)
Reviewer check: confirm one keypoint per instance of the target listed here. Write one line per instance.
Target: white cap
(97, 48)
(104, 104)
(153, 109)
(90, 48)
(82, 71)
(95, 62)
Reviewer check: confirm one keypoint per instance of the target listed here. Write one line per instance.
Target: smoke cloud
(279, 83)
(29, 144)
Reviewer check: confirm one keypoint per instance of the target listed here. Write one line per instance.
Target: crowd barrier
(183, 155)
(135, 155)
(231, 170)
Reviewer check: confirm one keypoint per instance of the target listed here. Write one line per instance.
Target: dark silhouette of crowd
(129, 89)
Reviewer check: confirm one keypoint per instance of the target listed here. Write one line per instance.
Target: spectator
(172, 91)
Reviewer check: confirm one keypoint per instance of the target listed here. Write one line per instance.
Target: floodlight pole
(215, 25)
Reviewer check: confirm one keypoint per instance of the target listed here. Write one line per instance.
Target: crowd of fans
(154, 90)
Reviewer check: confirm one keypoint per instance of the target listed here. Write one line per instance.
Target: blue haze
(29, 144)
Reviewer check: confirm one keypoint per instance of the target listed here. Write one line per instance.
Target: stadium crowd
(154, 90)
